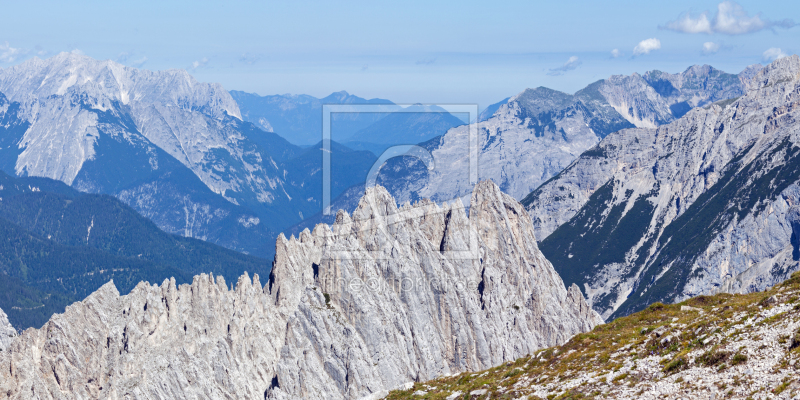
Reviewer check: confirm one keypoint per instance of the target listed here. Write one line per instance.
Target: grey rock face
(380, 298)
(752, 254)
(7, 331)
(44, 87)
(529, 139)
(658, 97)
(701, 205)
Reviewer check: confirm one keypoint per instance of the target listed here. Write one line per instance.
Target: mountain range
(298, 119)
(183, 154)
(174, 149)
(539, 132)
(705, 204)
(178, 151)
(596, 206)
(533, 136)
(170, 147)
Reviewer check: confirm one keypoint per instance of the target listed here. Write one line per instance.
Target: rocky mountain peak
(391, 295)
(704, 69)
(749, 73)
(376, 203)
(540, 99)
(783, 70)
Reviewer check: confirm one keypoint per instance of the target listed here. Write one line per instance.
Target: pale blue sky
(410, 51)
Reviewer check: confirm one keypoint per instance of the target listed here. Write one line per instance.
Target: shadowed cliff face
(386, 296)
(794, 220)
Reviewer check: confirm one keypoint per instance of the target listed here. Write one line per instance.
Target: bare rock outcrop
(7, 331)
(386, 296)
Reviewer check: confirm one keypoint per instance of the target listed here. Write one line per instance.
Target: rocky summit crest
(385, 296)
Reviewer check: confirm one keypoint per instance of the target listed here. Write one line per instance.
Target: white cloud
(9, 54)
(688, 24)
(249, 59)
(571, 64)
(125, 57)
(731, 19)
(138, 63)
(646, 46)
(200, 63)
(710, 48)
(77, 52)
(616, 53)
(773, 54)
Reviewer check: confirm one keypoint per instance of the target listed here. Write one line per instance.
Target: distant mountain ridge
(169, 146)
(298, 118)
(705, 204)
(417, 123)
(177, 151)
(534, 135)
(657, 97)
(174, 149)
(489, 111)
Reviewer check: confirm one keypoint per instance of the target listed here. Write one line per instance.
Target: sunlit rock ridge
(59, 94)
(383, 297)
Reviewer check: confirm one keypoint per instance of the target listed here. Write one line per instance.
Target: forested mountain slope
(63, 244)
